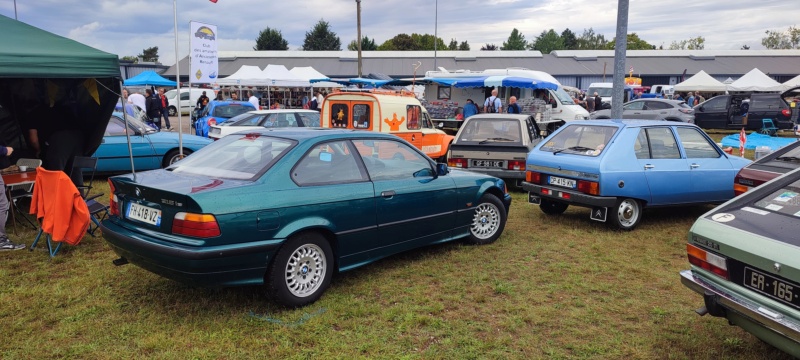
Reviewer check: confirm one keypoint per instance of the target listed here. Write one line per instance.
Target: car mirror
(325, 156)
(442, 169)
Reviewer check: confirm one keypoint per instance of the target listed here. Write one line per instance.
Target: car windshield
(589, 140)
(602, 92)
(239, 157)
(785, 200)
(230, 110)
(240, 120)
(136, 118)
(787, 160)
(485, 131)
(563, 97)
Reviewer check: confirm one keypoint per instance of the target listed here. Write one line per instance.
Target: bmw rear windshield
(588, 140)
(239, 157)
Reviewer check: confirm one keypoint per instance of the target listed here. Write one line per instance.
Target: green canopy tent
(57, 81)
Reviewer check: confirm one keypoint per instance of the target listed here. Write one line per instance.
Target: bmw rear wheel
(488, 220)
(627, 214)
(301, 270)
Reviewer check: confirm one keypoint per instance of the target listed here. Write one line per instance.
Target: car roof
(275, 111)
(499, 116)
(229, 102)
(628, 123)
(303, 133)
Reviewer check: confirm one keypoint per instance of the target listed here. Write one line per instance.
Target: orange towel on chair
(58, 205)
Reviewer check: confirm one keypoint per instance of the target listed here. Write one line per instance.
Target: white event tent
(279, 75)
(308, 73)
(701, 82)
(793, 82)
(755, 80)
(247, 75)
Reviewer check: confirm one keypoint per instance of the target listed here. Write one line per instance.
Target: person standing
(598, 102)
(202, 101)
(590, 104)
(690, 99)
(253, 100)
(492, 103)
(314, 104)
(320, 98)
(513, 107)
(5, 243)
(164, 108)
(153, 108)
(470, 109)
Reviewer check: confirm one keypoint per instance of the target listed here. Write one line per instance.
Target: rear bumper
(207, 266)
(501, 173)
(575, 197)
(760, 319)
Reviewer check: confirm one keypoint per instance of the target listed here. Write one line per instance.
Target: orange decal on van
(394, 124)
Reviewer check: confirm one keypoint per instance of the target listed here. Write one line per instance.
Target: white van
(189, 98)
(564, 108)
(603, 90)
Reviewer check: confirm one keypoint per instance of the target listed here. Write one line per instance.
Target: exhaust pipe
(119, 262)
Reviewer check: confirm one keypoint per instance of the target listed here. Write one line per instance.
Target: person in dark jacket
(153, 107)
(598, 102)
(5, 243)
(513, 107)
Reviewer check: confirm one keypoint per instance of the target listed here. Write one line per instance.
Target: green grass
(551, 287)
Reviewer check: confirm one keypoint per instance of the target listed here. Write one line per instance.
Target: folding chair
(58, 206)
(18, 192)
(768, 127)
(97, 211)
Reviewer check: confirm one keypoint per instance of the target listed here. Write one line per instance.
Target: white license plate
(561, 182)
(215, 130)
(488, 163)
(144, 214)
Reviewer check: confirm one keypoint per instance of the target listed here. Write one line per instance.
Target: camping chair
(768, 127)
(18, 192)
(97, 211)
(58, 206)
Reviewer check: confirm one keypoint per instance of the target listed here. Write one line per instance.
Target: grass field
(550, 287)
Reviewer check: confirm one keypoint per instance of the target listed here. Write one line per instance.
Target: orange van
(394, 112)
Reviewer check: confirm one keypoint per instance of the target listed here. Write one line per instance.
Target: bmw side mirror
(442, 169)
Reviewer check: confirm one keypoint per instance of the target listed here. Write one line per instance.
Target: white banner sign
(203, 53)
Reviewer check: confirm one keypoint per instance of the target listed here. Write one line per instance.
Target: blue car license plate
(558, 181)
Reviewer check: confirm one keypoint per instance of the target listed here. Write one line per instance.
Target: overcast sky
(126, 27)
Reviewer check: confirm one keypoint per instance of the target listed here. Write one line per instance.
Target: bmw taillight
(516, 165)
(195, 225)
(113, 207)
(212, 121)
(588, 187)
(457, 162)
(786, 112)
(708, 261)
(533, 177)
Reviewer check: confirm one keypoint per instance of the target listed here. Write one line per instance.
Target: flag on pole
(742, 141)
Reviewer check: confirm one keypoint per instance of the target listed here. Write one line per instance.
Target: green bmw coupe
(288, 208)
(745, 257)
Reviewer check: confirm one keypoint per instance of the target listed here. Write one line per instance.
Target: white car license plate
(488, 163)
(569, 183)
(144, 214)
(215, 130)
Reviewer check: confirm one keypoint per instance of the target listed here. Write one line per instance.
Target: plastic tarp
(755, 140)
(507, 81)
(149, 78)
(701, 82)
(755, 80)
(66, 81)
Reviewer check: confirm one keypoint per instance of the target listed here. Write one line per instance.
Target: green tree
(590, 40)
(400, 42)
(134, 59)
(453, 45)
(789, 39)
(489, 47)
(464, 45)
(321, 38)
(569, 39)
(367, 44)
(426, 42)
(516, 41)
(271, 39)
(697, 43)
(634, 43)
(149, 54)
(547, 41)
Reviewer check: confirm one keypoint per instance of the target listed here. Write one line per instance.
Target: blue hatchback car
(219, 111)
(619, 167)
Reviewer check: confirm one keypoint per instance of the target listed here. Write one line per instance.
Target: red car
(767, 168)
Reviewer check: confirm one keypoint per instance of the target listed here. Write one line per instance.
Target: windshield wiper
(495, 139)
(788, 158)
(574, 148)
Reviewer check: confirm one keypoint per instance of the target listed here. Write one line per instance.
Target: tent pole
(178, 81)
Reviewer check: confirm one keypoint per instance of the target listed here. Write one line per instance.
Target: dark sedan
(289, 207)
(767, 168)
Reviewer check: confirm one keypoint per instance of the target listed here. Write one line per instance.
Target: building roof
(400, 64)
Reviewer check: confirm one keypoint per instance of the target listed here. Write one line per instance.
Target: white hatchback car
(265, 119)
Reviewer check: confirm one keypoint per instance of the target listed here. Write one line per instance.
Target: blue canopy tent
(149, 78)
(502, 80)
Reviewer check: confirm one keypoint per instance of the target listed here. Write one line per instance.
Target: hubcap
(305, 270)
(485, 221)
(628, 212)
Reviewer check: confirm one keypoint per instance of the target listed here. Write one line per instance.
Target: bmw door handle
(694, 166)
(648, 166)
(388, 194)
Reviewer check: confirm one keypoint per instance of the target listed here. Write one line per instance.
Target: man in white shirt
(138, 100)
(254, 100)
(492, 103)
(319, 100)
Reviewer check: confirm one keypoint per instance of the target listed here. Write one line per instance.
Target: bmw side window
(696, 145)
(662, 143)
(328, 163)
(392, 160)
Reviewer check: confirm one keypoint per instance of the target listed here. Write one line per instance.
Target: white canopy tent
(308, 73)
(793, 82)
(701, 82)
(755, 80)
(279, 75)
(247, 75)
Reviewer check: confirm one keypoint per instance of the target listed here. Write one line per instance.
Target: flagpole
(178, 81)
